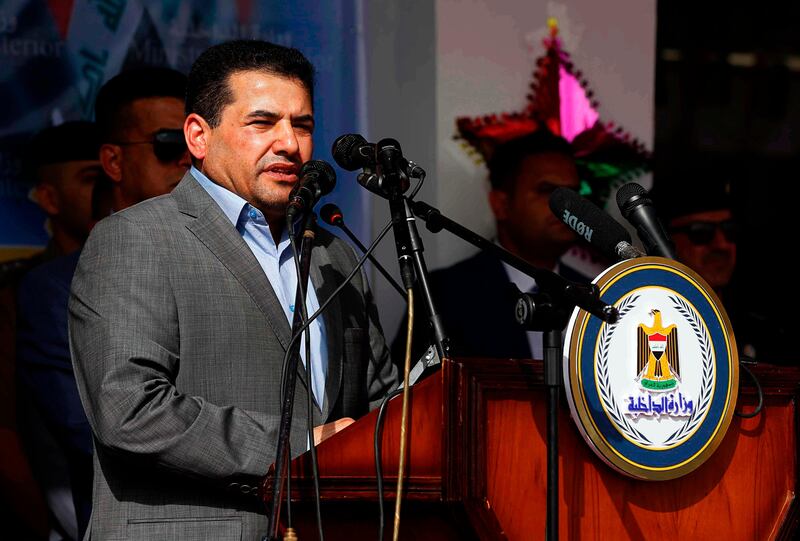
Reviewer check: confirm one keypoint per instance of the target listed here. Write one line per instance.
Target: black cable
(338, 290)
(377, 446)
(418, 186)
(309, 392)
(325, 304)
(759, 392)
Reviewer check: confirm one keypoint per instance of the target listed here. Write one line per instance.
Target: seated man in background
(475, 297)
(133, 110)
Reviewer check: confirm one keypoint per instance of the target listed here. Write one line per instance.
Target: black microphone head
(588, 221)
(331, 214)
(631, 195)
(326, 176)
(348, 152)
(387, 144)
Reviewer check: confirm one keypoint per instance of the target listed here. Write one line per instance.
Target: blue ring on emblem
(686, 450)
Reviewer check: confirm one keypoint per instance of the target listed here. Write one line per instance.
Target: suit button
(233, 486)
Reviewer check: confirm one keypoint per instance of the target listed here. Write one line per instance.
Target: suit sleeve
(125, 338)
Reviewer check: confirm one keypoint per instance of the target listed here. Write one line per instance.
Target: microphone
(351, 152)
(390, 160)
(332, 215)
(317, 178)
(592, 224)
(637, 207)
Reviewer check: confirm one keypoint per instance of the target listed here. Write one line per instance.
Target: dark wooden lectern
(477, 465)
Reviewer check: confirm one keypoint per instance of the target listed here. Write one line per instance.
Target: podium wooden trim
(476, 468)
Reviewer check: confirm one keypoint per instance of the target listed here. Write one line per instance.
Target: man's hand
(323, 432)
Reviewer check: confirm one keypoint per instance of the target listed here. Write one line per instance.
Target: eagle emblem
(657, 367)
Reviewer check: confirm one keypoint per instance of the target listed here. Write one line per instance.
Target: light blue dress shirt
(278, 265)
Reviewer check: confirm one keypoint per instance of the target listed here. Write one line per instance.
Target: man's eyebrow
(261, 113)
(269, 115)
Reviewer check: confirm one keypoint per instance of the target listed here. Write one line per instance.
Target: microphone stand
(550, 314)
(410, 252)
(287, 404)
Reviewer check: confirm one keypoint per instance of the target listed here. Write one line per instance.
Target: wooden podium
(477, 465)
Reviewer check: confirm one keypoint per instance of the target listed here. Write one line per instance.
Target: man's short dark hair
(208, 91)
(112, 106)
(506, 160)
(71, 141)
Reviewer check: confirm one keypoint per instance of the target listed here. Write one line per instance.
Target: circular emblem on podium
(652, 394)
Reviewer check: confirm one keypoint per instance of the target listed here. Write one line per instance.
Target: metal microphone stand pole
(552, 380)
(287, 405)
(442, 343)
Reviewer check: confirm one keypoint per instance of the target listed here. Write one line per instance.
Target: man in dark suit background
(476, 297)
(180, 311)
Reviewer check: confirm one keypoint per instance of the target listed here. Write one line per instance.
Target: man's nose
(286, 143)
(720, 240)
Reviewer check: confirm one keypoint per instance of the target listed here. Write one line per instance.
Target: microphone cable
(378, 452)
(417, 188)
(310, 402)
(759, 390)
(404, 417)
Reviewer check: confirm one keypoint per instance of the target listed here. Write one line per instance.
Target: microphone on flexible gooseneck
(637, 207)
(593, 224)
(332, 215)
(316, 178)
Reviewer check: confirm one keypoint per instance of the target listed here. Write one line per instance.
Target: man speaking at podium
(181, 307)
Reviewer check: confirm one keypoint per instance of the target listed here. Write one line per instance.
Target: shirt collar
(231, 204)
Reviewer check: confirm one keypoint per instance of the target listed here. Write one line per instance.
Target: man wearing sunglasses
(705, 240)
(140, 116)
(698, 213)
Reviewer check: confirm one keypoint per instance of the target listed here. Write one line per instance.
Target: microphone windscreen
(589, 221)
(326, 176)
(629, 196)
(345, 151)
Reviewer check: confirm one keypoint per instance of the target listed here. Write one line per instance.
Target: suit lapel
(216, 232)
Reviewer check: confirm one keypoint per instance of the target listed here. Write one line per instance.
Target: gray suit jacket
(177, 340)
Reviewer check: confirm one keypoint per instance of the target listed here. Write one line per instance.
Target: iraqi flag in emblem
(658, 343)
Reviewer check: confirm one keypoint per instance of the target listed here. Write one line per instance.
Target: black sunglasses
(168, 145)
(700, 233)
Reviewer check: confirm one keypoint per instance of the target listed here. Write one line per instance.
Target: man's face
(68, 200)
(143, 175)
(524, 213)
(704, 242)
(262, 139)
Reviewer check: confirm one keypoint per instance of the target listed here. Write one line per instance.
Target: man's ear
(498, 202)
(111, 160)
(47, 198)
(197, 133)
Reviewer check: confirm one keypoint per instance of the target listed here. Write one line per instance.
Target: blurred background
(707, 93)
(712, 92)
